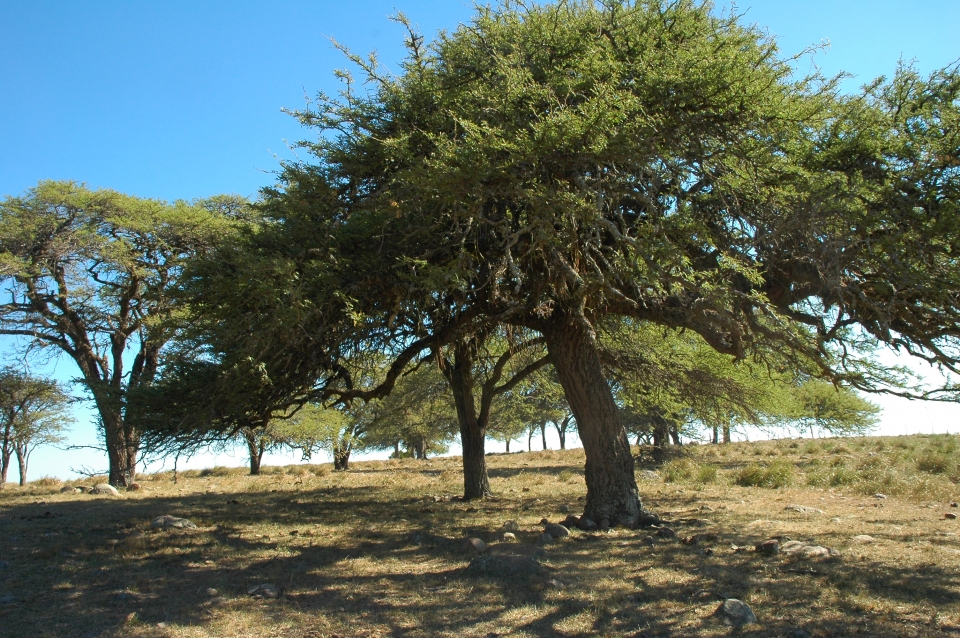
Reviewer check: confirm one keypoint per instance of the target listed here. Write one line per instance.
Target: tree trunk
(726, 433)
(612, 493)
(530, 440)
(508, 446)
(543, 433)
(420, 449)
(716, 435)
(123, 444)
(6, 450)
(396, 449)
(341, 458)
(255, 449)
(675, 435)
(473, 432)
(23, 454)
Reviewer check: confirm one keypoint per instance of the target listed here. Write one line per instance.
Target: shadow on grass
(84, 567)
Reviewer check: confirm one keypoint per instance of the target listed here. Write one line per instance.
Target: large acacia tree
(548, 166)
(88, 273)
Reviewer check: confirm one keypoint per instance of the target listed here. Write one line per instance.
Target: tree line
(628, 216)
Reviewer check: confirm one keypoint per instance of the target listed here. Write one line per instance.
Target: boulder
(473, 546)
(264, 590)
(172, 522)
(770, 547)
(803, 550)
(863, 539)
(556, 531)
(515, 549)
(69, 489)
(510, 526)
(509, 537)
(133, 487)
(586, 524)
(104, 489)
(735, 613)
(803, 509)
(667, 533)
(544, 540)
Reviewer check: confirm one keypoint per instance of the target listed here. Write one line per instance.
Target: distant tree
(822, 406)
(33, 412)
(89, 274)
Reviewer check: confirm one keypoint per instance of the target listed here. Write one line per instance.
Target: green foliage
(779, 473)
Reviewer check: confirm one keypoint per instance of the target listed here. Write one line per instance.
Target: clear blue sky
(183, 99)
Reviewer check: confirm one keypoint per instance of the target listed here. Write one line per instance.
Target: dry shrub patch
(375, 551)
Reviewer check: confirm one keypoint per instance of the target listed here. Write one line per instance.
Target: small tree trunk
(508, 446)
(420, 449)
(22, 455)
(562, 431)
(675, 435)
(473, 433)
(530, 440)
(396, 449)
(716, 435)
(6, 450)
(341, 458)
(612, 493)
(255, 450)
(726, 432)
(122, 442)
(543, 433)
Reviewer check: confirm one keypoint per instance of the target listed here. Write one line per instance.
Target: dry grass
(370, 553)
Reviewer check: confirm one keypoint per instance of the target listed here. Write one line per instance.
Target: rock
(171, 522)
(586, 524)
(210, 591)
(803, 509)
(648, 540)
(69, 489)
(133, 487)
(508, 565)
(878, 495)
(510, 526)
(954, 504)
(265, 590)
(667, 533)
(126, 597)
(649, 475)
(104, 489)
(473, 546)
(571, 522)
(803, 550)
(515, 549)
(735, 613)
(509, 537)
(863, 538)
(557, 531)
(544, 540)
(770, 547)
(950, 516)
(647, 519)
(564, 509)
(84, 488)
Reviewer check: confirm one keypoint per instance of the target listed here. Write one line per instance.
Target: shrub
(707, 473)
(779, 473)
(678, 470)
(934, 463)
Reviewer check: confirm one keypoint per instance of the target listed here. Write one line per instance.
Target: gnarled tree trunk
(612, 493)
(473, 433)
(341, 457)
(255, 449)
(23, 454)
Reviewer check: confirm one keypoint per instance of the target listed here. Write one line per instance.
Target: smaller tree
(33, 412)
(820, 405)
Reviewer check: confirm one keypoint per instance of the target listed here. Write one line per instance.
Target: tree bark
(473, 430)
(726, 433)
(716, 435)
(123, 444)
(562, 432)
(530, 440)
(6, 450)
(255, 449)
(612, 493)
(508, 446)
(341, 458)
(543, 433)
(23, 455)
(675, 435)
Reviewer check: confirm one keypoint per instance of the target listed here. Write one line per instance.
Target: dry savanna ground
(377, 551)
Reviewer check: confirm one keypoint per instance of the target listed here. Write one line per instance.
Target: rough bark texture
(22, 456)
(473, 432)
(255, 450)
(341, 458)
(611, 486)
(122, 444)
(543, 434)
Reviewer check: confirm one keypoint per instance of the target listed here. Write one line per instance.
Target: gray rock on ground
(735, 613)
(473, 546)
(172, 522)
(798, 549)
(557, 531)
(666, 532)
(863, 539)
(264, 590)
(770, 547)
(69, 489)
(104, 489)
(510, 526)
(544, 540)
(803, 509)
(515, 549)
(509, 537)
(587, 524)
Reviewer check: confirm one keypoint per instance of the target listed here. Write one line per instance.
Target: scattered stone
(509, 537)
(133, 487)
(515, 549)
(863, 539)
(667, 533)
(950, 516)
(69, 489)
(544, 540)
(126, 597)
(650, 475)
(9, 600)
(172, 522)
(648, 540)
(879, 495)
(473, 546)
(557, 531)
(699, 539)
(647, 519)
(954, 504)
(836, 520)
(510, 526)
(105, 489)
(572, 521)
(264, 590)
(770, 547)
(508, 565)
(803, 550)
(564, 509)
(803, 509)
(210, 591)
(735, 613)
(586, 524)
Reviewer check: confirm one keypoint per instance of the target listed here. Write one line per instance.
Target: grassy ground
(375, 551)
